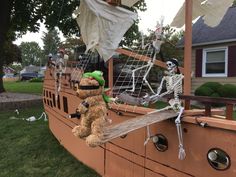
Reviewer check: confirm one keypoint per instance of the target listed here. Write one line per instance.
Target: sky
(155, 10)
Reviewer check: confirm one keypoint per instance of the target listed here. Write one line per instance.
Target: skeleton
(173, 83)
(155, 47)
(60, 68)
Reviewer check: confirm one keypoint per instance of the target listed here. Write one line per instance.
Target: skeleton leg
(146, 74)
(59, 82)
(149, 136)
(182, 153)
(149, 66)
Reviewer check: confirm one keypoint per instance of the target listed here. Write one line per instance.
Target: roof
(224, 32)
(30, 69)
(8, 69)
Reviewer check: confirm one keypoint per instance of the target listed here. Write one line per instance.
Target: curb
(20, 104)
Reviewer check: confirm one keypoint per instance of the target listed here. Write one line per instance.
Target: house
(214, 51)
(30, 69)
(8, 70)
(9, 74)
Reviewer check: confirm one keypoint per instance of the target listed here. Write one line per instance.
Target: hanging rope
(140, 71)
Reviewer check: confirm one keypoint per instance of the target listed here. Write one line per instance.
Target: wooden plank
(195, 112)
(162, 169)
(212, 122)
(206, 99)
(188, 47)
(128, 126)
(110, 73)
(229, 111)
(143, 58)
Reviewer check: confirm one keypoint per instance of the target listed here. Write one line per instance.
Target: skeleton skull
(170, 66)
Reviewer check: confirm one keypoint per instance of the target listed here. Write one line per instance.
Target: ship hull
(127, 156)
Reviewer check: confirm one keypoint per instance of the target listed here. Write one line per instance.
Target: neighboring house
(214, 51)
(30, 69)
(8, 70)
(9, 74)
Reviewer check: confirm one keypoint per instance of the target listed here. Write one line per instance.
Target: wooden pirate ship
(208, 140)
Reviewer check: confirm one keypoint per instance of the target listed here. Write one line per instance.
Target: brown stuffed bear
(93, 110)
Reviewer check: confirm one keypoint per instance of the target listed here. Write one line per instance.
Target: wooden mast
(188, 50)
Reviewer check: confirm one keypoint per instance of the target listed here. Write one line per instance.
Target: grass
(30, 149)
(24, 87)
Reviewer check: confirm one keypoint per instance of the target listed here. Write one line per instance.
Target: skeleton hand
(114, 100)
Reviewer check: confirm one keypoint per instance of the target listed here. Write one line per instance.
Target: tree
(31, 53)
(18, 17)
(133, 33)
(234, 3)
(8, 54)
(70, 45)
(51, 41)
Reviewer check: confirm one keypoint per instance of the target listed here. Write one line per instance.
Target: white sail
(212, 10)
(102, 26)
(129, 3)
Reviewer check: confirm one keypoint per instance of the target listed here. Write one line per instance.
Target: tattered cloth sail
(129, 3)
(102, 26)
(212, 11)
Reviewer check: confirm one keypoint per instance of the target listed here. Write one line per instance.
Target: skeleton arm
(170, 90)
(156, 97)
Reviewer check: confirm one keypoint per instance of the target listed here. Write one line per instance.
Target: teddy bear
(93, 108)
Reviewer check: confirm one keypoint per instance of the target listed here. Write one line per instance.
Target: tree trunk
(1, 81)
(5, 12)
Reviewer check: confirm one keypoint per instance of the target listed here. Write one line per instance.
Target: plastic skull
(170, 66)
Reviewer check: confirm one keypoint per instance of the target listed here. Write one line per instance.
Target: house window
(215, 62)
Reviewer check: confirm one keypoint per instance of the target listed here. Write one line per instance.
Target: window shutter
(232, 61)
(198, 66)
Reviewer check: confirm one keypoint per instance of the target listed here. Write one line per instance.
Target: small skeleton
(155, 47)
(60, 68)
(173, 83)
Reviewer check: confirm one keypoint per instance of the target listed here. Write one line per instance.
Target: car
(9, 75)
(28, 76)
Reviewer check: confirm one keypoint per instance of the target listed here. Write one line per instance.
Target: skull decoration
(172, 65)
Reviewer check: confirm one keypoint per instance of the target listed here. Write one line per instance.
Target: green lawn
(24, 87)
(30, 149)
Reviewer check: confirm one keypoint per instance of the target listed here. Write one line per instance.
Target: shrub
(216, 95)
(203, 91)
(213, 85)
(228, 91)
(36, 80)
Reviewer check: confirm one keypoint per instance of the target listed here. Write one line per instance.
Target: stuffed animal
(93, 108)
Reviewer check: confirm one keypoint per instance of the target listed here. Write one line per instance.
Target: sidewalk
(11, 101)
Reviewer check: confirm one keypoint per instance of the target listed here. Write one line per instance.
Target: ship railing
(208, 103)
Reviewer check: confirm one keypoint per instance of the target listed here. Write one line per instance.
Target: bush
(216, 95)
(228, 91)
(203, 91)
(213, 85)
(36, 80)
